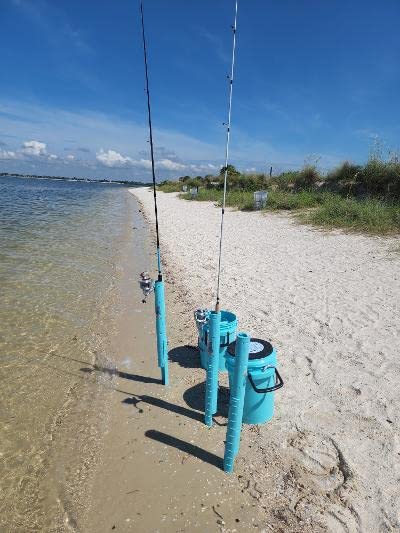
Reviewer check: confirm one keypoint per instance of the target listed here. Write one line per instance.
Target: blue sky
(315, 80)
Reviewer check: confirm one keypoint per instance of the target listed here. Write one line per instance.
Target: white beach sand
(330, 303)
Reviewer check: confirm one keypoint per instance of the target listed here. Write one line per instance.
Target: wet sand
(57, 298)
(329, 302)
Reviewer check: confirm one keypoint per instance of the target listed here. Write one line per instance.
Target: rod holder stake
(161, 329)
(236, 401)
(212, 367)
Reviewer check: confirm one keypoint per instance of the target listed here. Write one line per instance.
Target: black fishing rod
(146, 283)
(153, 172)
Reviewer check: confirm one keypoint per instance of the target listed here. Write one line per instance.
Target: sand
(329, 302)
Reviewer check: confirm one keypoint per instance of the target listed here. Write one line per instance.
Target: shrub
(381, 178)
(285, 181)
(307, 178)
(346, 172)
(170, 186)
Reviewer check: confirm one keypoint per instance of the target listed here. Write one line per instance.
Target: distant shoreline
(85, 180)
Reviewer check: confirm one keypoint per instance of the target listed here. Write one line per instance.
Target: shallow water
(59, 243)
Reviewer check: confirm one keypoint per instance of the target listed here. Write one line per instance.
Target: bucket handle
(278, 382)
(227, 343)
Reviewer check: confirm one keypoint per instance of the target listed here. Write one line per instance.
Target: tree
(232, 172)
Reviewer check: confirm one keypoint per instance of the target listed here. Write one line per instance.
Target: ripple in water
(57, 271)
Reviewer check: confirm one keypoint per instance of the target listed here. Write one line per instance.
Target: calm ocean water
(59, 243)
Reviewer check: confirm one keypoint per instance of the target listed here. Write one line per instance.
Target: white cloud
(204, 167)
(167, 164)
(142, 163)
(111, 158)
(70, 157)
(35, 148)
(7, 154)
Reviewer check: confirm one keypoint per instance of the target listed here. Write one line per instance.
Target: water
(59, 247)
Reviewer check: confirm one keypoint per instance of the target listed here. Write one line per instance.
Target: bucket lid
(258, 349)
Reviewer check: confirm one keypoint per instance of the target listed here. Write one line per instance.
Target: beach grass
(363, 198)
(170, 186)
(318, 208)
(277, 200)
(369, 216)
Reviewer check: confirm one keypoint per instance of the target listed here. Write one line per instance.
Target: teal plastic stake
(212, 367)
(236, 401)
(161, 329)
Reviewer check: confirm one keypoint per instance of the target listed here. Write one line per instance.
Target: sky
(315, 82)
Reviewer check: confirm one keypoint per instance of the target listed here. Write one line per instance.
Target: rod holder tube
(236, 401)
(212, 367)
(161, 330)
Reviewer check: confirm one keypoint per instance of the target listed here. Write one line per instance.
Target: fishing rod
(153, 172)
(146, 283)
(216, 325)
(228, 136)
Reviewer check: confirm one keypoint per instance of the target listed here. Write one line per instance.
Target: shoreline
(332, 306)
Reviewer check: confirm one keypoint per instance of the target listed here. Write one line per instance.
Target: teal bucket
(227, 329)
(263, 379)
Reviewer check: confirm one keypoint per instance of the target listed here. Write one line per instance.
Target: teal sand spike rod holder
(145, 282)
(161, 329)
(212, 368)
(236, 401)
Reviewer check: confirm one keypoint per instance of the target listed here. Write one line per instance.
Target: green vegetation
(276, 199)
(371, 216)
(359, 198)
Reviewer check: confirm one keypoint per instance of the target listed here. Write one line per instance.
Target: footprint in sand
(320, 456)
(324, 468)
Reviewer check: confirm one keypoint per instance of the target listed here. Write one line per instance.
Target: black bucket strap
(278, 383)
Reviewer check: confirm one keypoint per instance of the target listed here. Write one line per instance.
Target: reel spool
(146, 284)
(201, 317)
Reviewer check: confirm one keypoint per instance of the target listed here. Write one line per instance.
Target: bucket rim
(267, 349)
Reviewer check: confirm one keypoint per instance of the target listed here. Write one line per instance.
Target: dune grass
(276, 199)
(318, 208)
(170, 186)
(369, 216)
(241, 199)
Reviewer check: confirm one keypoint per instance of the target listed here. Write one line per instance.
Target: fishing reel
(201, 317)
(146, 284)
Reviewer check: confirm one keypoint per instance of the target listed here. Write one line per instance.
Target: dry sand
(329, 302)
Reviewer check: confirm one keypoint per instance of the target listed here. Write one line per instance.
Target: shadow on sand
(116, 372)
(162, 404)
(186, 356)
(185, 447)
(195, 398)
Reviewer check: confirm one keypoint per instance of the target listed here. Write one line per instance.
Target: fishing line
(228, 133)
(151, 144)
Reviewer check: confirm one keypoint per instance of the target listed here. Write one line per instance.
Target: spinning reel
(201, 317)
(146, 284)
